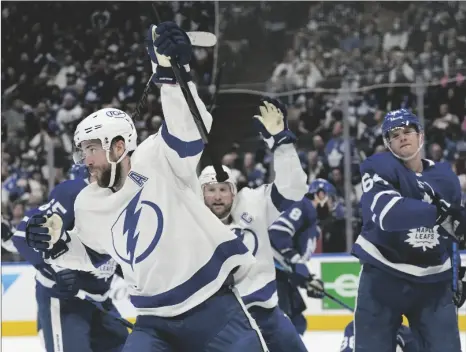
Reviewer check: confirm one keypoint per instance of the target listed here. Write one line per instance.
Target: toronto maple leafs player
(146, 204)
(249, 213)
(69, 321)
(294, 238)
(404, 247)
(405, 341)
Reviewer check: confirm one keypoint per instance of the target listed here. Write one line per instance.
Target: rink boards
(339, 273)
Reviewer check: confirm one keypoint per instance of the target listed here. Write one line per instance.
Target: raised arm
(289, 184)
(181, 139)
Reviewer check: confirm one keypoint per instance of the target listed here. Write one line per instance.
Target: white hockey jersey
(173, 251)
(254, 210)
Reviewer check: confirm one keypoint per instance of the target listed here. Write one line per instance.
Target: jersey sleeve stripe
(378, 195)
(277, 227)
(386, 209)
(287, 223)
(182, 148)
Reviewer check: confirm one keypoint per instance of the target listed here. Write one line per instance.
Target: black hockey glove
(300, 275)
(67, 282)
(459, 297)
(315, 287)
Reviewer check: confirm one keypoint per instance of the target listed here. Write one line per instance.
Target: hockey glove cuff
(165, 43)
(272, 125)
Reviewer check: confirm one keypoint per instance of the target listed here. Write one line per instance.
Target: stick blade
(203, 39)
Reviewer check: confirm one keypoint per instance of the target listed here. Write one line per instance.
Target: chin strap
(421, 144)
(113, 165)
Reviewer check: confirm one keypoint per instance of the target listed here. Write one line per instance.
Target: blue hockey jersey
(399, 233)
(94, 285)
(405, 339)
(296, 228)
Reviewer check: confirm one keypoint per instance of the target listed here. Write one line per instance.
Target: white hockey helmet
(208, 176)
(105, 125)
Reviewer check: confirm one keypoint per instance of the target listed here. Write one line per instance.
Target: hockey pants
(291, 302)
(75, 325)
(382, 300)
(219, 324)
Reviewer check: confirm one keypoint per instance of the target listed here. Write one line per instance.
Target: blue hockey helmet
(78, 171)
(320, 184)
(399, 119)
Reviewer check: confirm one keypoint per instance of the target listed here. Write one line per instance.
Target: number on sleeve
(53, 207)
(367, 181)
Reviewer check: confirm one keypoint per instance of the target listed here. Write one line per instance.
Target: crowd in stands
(55, 73)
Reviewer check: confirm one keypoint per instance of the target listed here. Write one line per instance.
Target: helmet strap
(113, 165)
(421, 144)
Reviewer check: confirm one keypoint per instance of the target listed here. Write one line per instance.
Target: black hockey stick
(142, 100)
(100, 307)
(221, 175)
(333, 298)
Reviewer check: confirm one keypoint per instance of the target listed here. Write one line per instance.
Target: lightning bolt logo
(129, 226)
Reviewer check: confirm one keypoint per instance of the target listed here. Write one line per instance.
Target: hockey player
(405, 242)
(67, 317)
(147, 208)
(405, 341)
(294, 237)
(250, 212)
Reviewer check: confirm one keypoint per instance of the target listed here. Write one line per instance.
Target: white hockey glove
(164, 43)
(272, 125)
(46, 234)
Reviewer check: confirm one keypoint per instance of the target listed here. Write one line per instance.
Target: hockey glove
(67, 282)
(45, 235)
(300, 275)
(164, 43)
(315, 287)
(272, 125)
(459, 297)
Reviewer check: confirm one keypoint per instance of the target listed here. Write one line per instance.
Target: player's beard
(226, 209)
(104, 179)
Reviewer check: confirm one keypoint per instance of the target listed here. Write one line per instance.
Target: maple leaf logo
(423, 237)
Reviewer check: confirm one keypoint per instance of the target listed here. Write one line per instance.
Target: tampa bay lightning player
(294, 237)
(405, 341)
(67, 318)
(405, 244)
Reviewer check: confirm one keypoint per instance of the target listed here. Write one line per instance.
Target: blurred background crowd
(389, 54)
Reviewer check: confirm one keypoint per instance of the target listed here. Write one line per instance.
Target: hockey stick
(221, 175)
(333, 298)
(281, 268)
(100, 307)
(142, 100)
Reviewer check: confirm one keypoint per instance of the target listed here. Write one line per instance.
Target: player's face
(96, 161)
(404, 141)
(219, 198)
